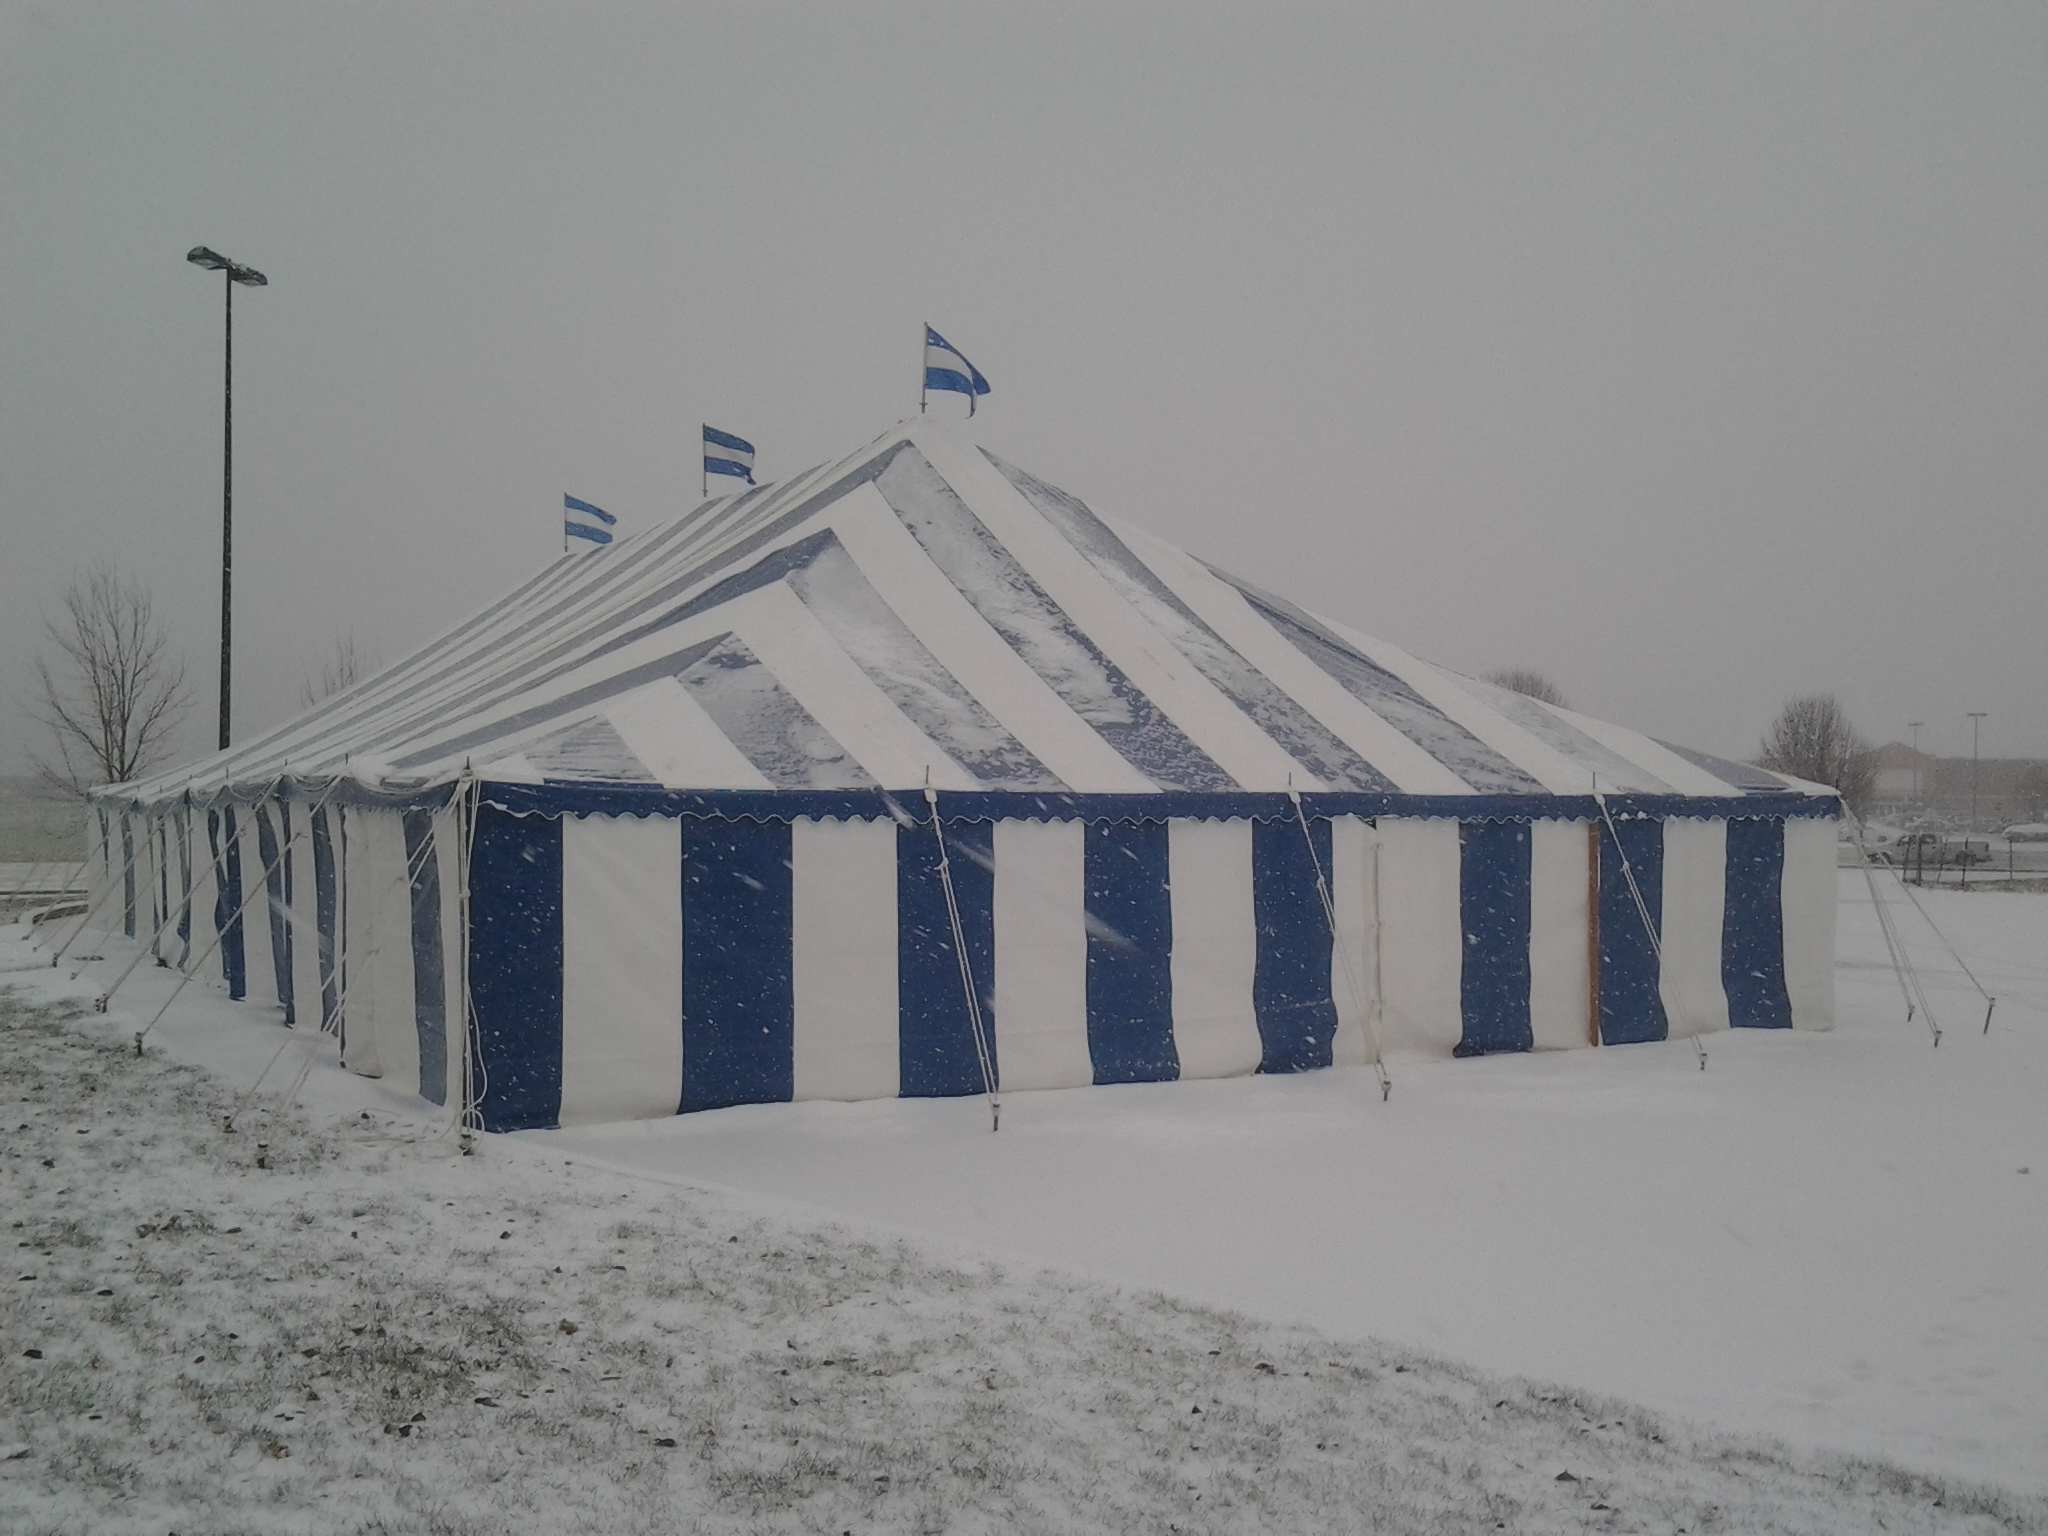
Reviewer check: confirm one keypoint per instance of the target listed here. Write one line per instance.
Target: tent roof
(921, 612)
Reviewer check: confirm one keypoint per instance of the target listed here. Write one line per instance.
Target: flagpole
(924, 343)
(703, 471)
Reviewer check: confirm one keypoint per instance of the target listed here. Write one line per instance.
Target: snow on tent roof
(922, 612)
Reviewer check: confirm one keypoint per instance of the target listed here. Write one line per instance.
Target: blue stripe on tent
(128, 877)
(429, 987)
(227, 898)
(935, 1036)
(1291, 977)
(274, 908)
(1493, 908)
(1129, 918)
(1753, 927)
(326, 911)
(1630, 1008)
(515, 970)
(739, 993)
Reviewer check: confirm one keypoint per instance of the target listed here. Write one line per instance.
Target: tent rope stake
(981, 1050)
(1911, 984)
(1642, 907)
(1372, 1039)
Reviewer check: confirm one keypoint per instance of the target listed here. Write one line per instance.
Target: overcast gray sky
(1697, 356)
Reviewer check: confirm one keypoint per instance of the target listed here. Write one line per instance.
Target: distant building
(1903, 775)
(2008, 789)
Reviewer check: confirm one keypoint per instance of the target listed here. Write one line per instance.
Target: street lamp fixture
(248, 277)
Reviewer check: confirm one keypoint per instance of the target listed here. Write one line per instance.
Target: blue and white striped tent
(651, 833)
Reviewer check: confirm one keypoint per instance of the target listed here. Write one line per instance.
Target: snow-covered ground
(1825, 1238)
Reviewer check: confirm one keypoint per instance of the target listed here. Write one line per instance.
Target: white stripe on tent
(1041, 981)
(801, 653)
(1223, 608)
(622, 968)
(448, 850)
(1215, 947)
(1353, 953)
(358, 1008)
(677, 742)
(1203, 713)
(1695, 894)
(1421, 935)
(1660, 762)
(1807, 898)
(843, 959)
(1560, 957)
(1541, 761)
(388, 984)
(946, 624)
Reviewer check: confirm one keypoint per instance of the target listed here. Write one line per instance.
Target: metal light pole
(1914, 727)
(1976, 718)
(248, 277)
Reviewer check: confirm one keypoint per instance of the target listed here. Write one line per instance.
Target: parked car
(1925, 847)
(2028, 832)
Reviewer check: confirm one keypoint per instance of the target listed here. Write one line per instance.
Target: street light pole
(1976, 717)
(1914, 727)
(248, 277)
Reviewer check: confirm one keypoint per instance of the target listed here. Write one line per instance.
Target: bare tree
(1528, 680)
(110, 692)
(1812, 739)
(344, 668)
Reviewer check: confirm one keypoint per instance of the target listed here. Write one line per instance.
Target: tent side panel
(1631, 1009)
(325, 841)
(1753, 926)
(1130, 952)
(304, 912)
(1215, 948)
(222, 849)
(452, 851)
(515, 970)
(622, 968)
(128, 852)
(1353, 957)
(936, 1036)
(1041, 988)
(1560, 979)
(273, 844)
(738, 998)
(385, 977)
(1421, 959)
(1695, 899)
(843, 960)
(1807, 893)
(259, 974)
(196, 873)
(1291, 983)
(429, 967)
(1493, 905)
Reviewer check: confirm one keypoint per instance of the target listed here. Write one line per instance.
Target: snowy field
(1211, 1306)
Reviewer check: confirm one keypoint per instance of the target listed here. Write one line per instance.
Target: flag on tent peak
(725, 454)
(946, 367)
(580, 520)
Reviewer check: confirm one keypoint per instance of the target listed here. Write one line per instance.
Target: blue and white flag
(946, 368)
(580, 520)
(725, 454)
